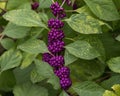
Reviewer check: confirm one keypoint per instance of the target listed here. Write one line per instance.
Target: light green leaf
(88, 88)
(35, 76)
(63, 93)
(82, 49)
(114, 64)
(115, 92)
(69, 58)
(7, 43)
(10, 59)
(28, 59)
(7, 84)
(14, 31)
(45, 3)
(13, 4)
(33, 46)
(24, 17)
(118, 38)
(84, 23)
(29, 89)
(45, 71)
(104, 9)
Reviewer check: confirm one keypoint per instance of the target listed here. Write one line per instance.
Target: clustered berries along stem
(56, 45)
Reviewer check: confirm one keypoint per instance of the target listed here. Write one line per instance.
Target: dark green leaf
(88, 88)
(29, 89)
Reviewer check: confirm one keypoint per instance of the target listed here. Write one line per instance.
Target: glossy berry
(63, 72)
(46, 57)
(75, 6)
(35, 5)
(56, 47)
(55, 23)
(69, 2)
(65, 83)
(56, 61)
(57, 10)
(54, 35)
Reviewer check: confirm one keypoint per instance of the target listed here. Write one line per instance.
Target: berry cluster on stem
(56, 45)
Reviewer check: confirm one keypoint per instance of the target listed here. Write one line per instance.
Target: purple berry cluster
(56, 46)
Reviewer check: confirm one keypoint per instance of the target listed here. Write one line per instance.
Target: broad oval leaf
(46, 71)
(84, 23)
(33, 46)
(14, 31)
(104, 9)
(24, 17)
(45, 3)
(114, 64)
(88, 88)
(82, 49)
(63, 93)
(29, 89)
(10, 59)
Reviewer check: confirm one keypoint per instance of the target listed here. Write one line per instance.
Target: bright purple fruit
(46, 57)
(54, 35)
(56, 61)
(65, 83)
(55, 23)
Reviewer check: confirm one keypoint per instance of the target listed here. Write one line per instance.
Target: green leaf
(33, 46)
(84, 23)
(118, 38)
(88, 88)
(45, 3)
(114, 64)
(28, 59)
(10, 59)
(45, 71)
(29, 89)
(88, 69)
(13, 4)
(115, 92)
(104, 9)
(7, 84)
(107, 84)
(22, 75)
(35, 76)
(43, 17)
(15, 31)
(69, 58)
(7, 43)
(24, 17)
(82, 49)
(63, 93)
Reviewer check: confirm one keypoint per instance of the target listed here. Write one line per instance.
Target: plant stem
(63, 3)
(53, 1)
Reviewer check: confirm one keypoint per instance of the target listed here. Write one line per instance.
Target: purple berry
(35, 5)
(69, 2)
(65, 83)
(55, 23)
(54, 35)
(46, 57)
(75, 6)
(63, 72)
(56, 61)
(56, 47)
(57, 10)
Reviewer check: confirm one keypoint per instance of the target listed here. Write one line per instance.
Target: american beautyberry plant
(59, 47)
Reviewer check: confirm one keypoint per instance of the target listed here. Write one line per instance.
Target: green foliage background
(92, 50)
